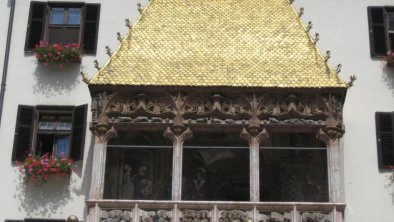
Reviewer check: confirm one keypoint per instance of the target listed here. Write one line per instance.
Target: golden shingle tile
(249, 43)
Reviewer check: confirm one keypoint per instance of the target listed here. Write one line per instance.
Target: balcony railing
(213, 211)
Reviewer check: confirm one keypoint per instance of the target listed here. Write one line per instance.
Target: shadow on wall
(44, 200)
(52, 80)
(388, 78)
(87, 176)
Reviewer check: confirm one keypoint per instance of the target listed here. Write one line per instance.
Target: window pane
(46, 125)
(139, 166)
(63, 146)
(57, 16)
(390, 16)
(215, 167)
(74, 16)
(293, 167)
(215, 174)
(44, 144)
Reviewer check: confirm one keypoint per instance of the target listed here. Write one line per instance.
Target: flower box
(39, 169)
(389, 58)
(58, 53)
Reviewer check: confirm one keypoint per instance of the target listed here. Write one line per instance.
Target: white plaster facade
(343, 28)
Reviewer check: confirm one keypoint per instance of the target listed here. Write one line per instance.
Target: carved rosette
(234, 216)
(195, 216)
(155, 216)
(116, 215)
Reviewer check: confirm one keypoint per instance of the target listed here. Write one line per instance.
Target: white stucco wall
(343, 28)
(32, 84)
(4, 17)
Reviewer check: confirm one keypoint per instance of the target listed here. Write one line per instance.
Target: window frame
(386, 32)
(28, 120)
(43, 21)
(383, 137)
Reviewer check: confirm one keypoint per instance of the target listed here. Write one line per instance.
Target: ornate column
(103, 132)
(254, 135)
(331, 137)
(178, 135)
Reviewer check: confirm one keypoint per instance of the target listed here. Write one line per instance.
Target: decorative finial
(96, 64)
(301, 12)
(309, 27)
(84, 77)
(338, 68)
(316, 38)
(119, 37)
(72, 218)
(128, 23)
(109, 52)
(327, 56)
(351, 82)
(139, 5)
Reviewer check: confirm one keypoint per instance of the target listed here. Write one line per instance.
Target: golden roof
(235, 43)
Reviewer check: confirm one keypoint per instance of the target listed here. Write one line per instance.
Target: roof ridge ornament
(338, 68)
(327, 56)
(119, 37)
(128, 25)
(316, 39)
(301, 12)
(108, 50)
(139, 5)
(351, 82)
(309, 27)
(85, 78)
(96, 65)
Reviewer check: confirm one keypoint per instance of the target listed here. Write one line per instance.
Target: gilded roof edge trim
(317, 49)
(123, 41)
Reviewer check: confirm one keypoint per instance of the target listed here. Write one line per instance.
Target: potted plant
(58, 53)
(39, 169)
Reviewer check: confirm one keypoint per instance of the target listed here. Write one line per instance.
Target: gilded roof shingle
(236, 43)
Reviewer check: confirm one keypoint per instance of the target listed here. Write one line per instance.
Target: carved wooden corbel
(103, 132)
(178, 134)
(328, 135)
(254, 135)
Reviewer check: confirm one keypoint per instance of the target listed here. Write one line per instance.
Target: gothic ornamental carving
(274, 217)
(234, 216)
(115, 216)
(155, 216)
(315, 217)
(195, 216)
(208, 109)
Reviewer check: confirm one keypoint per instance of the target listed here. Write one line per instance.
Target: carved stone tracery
(195, 216)
(155, 216)
(116, 216)
(241, 109)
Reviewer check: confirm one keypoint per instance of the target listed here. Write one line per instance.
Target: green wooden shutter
(377, 32)
(385, 138)
(23, 131)
(90, 28)
(78, 132)
(36, 25)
